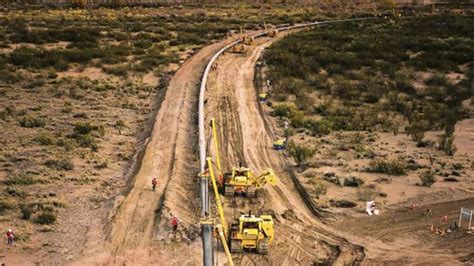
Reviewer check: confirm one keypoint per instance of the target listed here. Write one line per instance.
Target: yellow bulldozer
(251, 232)
(241, 181)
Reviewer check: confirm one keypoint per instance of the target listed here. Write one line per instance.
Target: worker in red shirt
(154, 182)
(175, 222)
(10, 236)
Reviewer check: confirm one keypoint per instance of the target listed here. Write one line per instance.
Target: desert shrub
(118, 70)
(318, 127)
(427, 178)
(300, 153)
(35, 83)
(5, 205)
(390, 167)
(187, 38)
(320, 188)
(52, 74)
(26, 212)
(46, 217)
(9, 76)
(15, 192)
(60, 165)
(297, 119)
(353, 181)
(282, 110)
(86, 134)
(446, 144)
(31, 122)
(21, 179)
(43, 139)
(120, 125)
(84, 128)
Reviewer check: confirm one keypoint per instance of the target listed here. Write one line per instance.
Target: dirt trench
(244, 137)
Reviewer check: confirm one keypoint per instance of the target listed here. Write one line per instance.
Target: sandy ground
(140, 232)
(300, 238)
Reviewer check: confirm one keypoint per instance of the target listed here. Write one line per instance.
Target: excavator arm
(267, 176)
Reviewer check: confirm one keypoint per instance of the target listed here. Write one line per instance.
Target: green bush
(46, 217)
(23, 180)
(300, 153)
(390, 167)
(117, 70)
(44, 139)
(26, 212)
(427, 178)
(5, 205)
(320, 188)
(282, 110)
(84, 128)
(32, 122)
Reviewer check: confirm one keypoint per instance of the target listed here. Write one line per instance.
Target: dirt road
(300, 238)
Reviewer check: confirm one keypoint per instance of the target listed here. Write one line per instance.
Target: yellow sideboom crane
(223, 226)
(241, 179)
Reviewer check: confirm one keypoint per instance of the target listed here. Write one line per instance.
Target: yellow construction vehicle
(272, 33)
(280, 144)
(238, 48)
(240, 180)
(262, 96)
(247, 40)
(249, 232)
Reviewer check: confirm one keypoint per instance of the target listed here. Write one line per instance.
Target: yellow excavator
(241, 179)
(239, 48)
(249, 232)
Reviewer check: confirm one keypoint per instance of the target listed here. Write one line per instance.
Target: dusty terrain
(96, 226)
(300, 239)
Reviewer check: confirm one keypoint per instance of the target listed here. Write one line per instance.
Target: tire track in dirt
(234, 79)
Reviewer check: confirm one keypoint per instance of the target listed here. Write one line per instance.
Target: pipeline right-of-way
(206, 226)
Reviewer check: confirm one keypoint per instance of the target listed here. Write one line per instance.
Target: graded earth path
(140, 231)
(300, 238)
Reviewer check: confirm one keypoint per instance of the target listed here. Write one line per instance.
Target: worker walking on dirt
(175, 222)
(10, 237)
(154, 182)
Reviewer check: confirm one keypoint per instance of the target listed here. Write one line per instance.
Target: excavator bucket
(272, 178)
(267, 176)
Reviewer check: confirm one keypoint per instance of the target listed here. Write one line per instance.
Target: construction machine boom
(267, 176)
